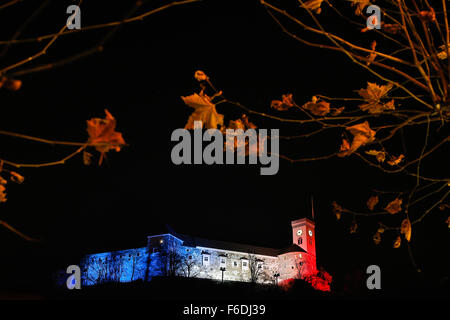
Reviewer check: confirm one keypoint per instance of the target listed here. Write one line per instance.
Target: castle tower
(303, 235)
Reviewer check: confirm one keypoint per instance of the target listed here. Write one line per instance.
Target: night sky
(139, 77)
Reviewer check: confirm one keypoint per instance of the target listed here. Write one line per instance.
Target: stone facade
(173, 254)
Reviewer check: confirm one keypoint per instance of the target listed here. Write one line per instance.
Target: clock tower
(303, 235)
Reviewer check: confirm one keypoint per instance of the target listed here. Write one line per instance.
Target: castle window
(300, 240)
(259, 264)
(244, 264)
(223, 261)
(161, 241)
(190, 257)
(206, 259)
(234, 263)
(300, 255)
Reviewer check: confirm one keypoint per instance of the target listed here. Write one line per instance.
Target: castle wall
(166, 255)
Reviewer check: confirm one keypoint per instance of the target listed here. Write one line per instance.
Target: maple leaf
(394, 206)
(377, 237)
(396, 160)
(286, 103)
(405, 229)
(102, 132)
(313, 5)
(372, 202)
(362, 134)
(397, 242)
(380, 155)
(360, 5)
(373, 94)
(317, 107)
(205, 111)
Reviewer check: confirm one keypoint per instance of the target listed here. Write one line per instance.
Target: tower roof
(292, 248)
(227, 246)
(302, 220)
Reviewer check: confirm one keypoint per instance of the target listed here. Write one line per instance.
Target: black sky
(139, 78)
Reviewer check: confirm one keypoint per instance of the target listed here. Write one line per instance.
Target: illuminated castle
(174, 254)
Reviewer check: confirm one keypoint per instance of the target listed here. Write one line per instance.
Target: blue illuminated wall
(132, 264)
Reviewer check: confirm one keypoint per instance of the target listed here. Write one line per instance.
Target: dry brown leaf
(405, 229)
(246, 149)
(373, 95)
(337, 210)
(200, 75)
(372, 202)
(337, 111)
(13, 85)
(283, 105)
(313, 5)
(397, 242)
(394, 206)
(205, 111)
(10, 84)
(353, 227)
(372, 55)
(377, 238)
(427, 16)
(360, 5)
(102, 131)
(396, 160)
(362, 134)
(443, 54)
(17, 178)
(380, 155)
(2, 193)
(344, 149)
(317, 107)
(87, 158)
(391, 28)
(247, 123)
